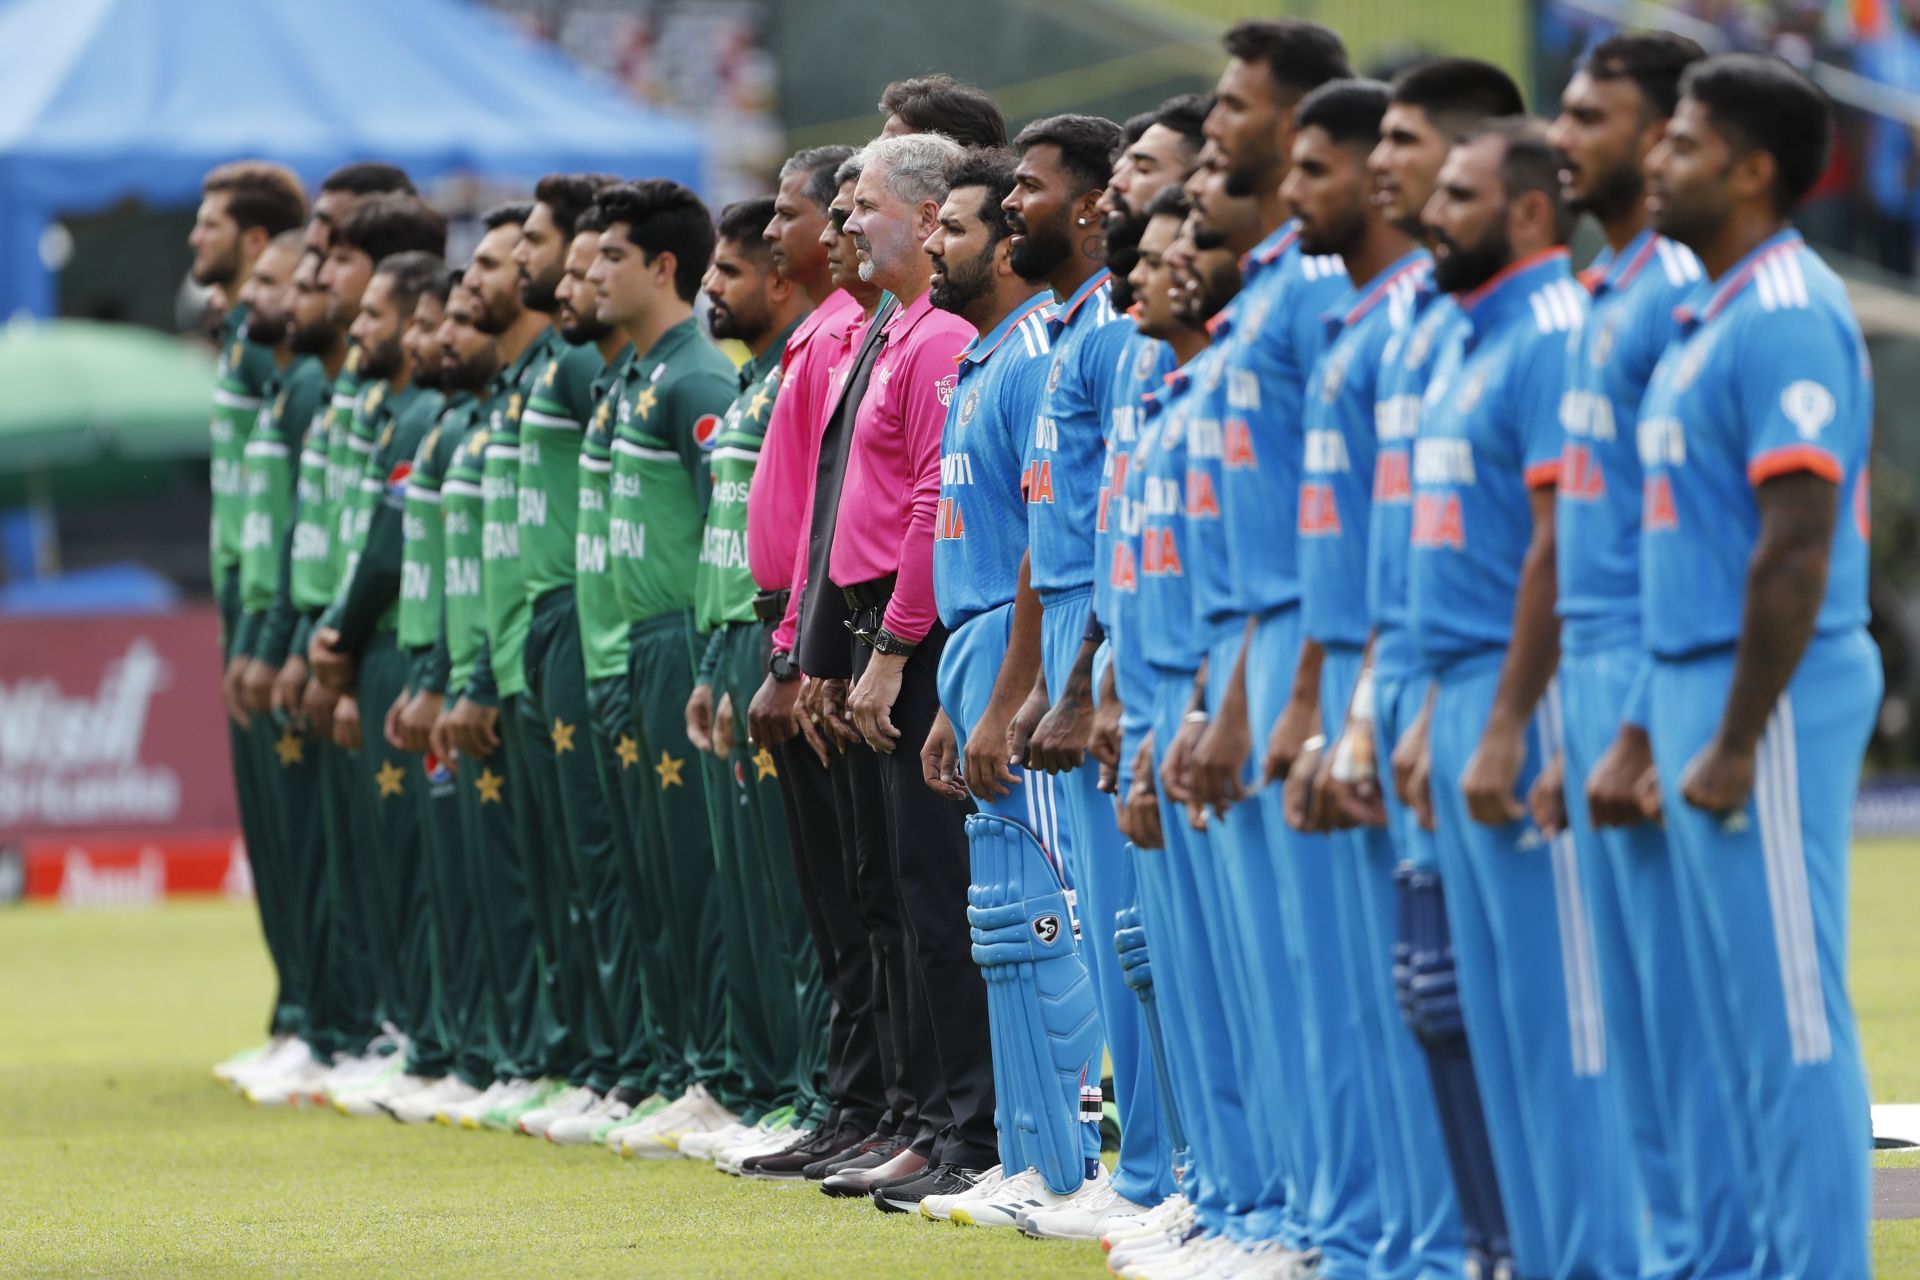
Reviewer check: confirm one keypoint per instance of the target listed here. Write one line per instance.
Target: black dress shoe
(830, 1142)
(904, 1163)
(875, 1148)
(905, 1194)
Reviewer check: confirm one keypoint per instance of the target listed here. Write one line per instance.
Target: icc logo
(1047, 929)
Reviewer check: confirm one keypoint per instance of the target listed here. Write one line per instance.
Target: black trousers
(950, 1050)
(861, 806)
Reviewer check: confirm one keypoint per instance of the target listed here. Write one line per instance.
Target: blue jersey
(1142, 367)
(1406, 363)
(1067, 444)
(1489, 433)
(1767, 374)
(1269, 338)
(1597, 507)
(980, 526)
(1336, 474)
(1166, 510)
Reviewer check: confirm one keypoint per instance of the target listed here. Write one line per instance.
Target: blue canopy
(106, 99)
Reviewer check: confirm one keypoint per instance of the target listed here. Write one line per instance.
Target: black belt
(867, 601)
(771, 606)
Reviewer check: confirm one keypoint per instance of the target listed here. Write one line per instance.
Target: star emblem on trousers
(628, 750)
(290, 749)
(669, 770)
(488, 784)
(562, 736)
(389, 778)
(763, 765)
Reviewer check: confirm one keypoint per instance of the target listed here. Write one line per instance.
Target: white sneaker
(1175, 1213)
(291, 1090)
(292, 1055)
(701, 1146)
(418, 1107)
(1025, 1194)
(659, 1138)
(730, 1158)
(1122, 1256)
(1274, 1261)
(1198, 1255)
(940, 1208)
(224, 1069)
(1087, 1214)
(369, 1098)
(571, 1103)
(578, 1131)
(449, 1113)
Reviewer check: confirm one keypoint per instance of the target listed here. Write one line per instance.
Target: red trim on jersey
(1105, 276)
(981, 357)
(1379, 291)
(1543, 475)
(1532, 260)
(1794, 457)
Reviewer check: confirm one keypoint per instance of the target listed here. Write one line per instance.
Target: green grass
(120, 1156)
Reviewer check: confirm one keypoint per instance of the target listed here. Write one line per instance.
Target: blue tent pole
(25, 283)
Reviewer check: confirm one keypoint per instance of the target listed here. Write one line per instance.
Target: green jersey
(347, 476)
(551, 433)
(270, 463)
(603, 632)
(461, 513)
(723, 586)
(240, 380)
(323, 481)
(424, 548)
(509, 613)
(369, 596)
(665, 425)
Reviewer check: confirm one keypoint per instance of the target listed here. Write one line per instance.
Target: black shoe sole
(885, 1205)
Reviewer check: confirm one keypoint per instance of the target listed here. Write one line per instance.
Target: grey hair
(821, 165)
(916, 164)
(849, 171)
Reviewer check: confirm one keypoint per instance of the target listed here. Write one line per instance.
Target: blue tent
(106, 99)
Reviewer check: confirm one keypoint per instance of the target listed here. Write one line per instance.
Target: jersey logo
(375, 394)
(948, 524)
(1656, 500)
(1808, 406)
(1692, 358)
(706, 430)
(1603, 343)
(1053, 374)
(553, 372)
(1143, 363)
(1392, 478)
(1333, 374)
(397, 478)
(1437, 522)
(1471, 391)
(943, 389)
(968, 405)
(1581, 479)
(1319, 512)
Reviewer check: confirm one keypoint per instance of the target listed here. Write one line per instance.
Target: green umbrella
(87, 407)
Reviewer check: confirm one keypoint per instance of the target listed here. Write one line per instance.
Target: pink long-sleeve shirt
(892, 485)
(777, 501)
(838, 345)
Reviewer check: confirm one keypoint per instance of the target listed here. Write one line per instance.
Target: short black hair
(1530, 163)
(1457, 94)
(819, 164)
(512, 211)
(568, 194)
(992, 168)
(1131, 130)
(1761, 102)
(1168, 202)
(414, 272)
(941, 104)
(259, 194)
(1348, 110)
(394, 223)
(1653, 60)
(1186, 114)
(1086, 145)
(1299, 55)
(662, 216)
(369, 178)
(743, 221)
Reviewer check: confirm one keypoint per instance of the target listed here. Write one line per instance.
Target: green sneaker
(506, 1118)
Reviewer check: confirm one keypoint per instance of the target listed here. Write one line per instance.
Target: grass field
(120, 1156)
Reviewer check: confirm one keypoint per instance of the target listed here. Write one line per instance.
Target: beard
(961, 284)
(579, 330)
(382, 361)
(541, 294)
(724, 322)
(1040, 254)
(468, 375)
(313, 339)
(427, 374)
(1617, 191)
(495, 318)
(1337, 234)
(221, 271)
(1465, 268)
(1123, 253)
(265, 329)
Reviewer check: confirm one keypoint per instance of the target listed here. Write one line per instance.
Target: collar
(1268, 251)
(1623, 268)
(1488, 304)
(1731, 285)
(758, 367)
(897, 326)
(536, 350)
(1414, 267)
(1088, 287)
(982, 347)
(670, 341)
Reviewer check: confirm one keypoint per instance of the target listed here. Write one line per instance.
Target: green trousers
(298, 788)
(628, 921)
(387, 792)
(770, 963)
(265, 836)
(574, 860)
(686, 982)
(525, 1037)
(348, 985)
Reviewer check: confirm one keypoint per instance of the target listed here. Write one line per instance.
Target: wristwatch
(781, 667)
(884, 641)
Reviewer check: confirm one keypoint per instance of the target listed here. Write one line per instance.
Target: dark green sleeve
(276, 629)
(710, 657)
(302, 634)
(481, 689)
(436, 665)
(246, 631)
(376, 576)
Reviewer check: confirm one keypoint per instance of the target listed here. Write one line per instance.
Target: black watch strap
(781, 667)
(884, 641)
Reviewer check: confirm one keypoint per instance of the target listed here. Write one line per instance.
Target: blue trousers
(1343, 1208)
(1104, 880)
(1419, 1221)
(1764, 897)
(1200, 993)
(974, 654)
(1657, 1043)
(1523, 951)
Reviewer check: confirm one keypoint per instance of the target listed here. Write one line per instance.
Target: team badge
(353, 360)
(1256, 317)
(706, 430)
(1603, 343)
(969, 404)
(1421, 346)
(1143, 363)
(1053, 376)
(1692, 359)
(553, 371)
(433, 440)
(1808, 406)
(280, 405)
(513, 406)
(1047, 929)
(1470, 391)
(234, 354)
(944, 389)
(375, 394)
(386, 437)
(477, 444)
(1332, 377)
(602, 413)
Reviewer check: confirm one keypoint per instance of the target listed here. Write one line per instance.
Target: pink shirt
(838, 346)
(777, 500)
(892, 485)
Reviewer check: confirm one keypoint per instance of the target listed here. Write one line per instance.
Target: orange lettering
(1237, 442)
(1319, 512)
(1202, 504)
(1437, 522)
(1580, 475)
(1392, 482)
(1660, 514)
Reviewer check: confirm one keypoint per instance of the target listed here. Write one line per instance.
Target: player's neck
(402, 377)
(1621, 229)
(647, 331)
(610, 344)
(334, 358)
(1274, 213)
(1188, 343)
(1383, 246)
(1076, 270)
(1744, 231)
(998, 305)
(283, 355)
(519, 335)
